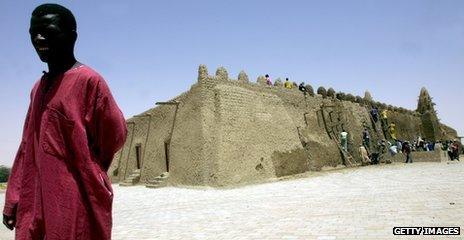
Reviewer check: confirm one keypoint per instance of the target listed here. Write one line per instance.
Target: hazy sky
(149, 51)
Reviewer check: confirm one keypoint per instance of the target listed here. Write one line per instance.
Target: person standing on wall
(58, 187)
(268, 80)
(288, 84)
(302, 88)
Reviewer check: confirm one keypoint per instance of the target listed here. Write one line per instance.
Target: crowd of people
(373, 153)
(287, 84)
(389, 144)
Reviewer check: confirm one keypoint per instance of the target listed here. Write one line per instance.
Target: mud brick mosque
(226, 132)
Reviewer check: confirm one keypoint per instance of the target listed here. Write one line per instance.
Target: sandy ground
(358, 203)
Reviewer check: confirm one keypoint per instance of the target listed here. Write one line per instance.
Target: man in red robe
(58, 188)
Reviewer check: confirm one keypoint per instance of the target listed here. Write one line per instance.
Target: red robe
(58, 186)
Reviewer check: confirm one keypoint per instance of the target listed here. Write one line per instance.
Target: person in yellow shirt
(392, 130)
(384, 114)
(288, 84)
(384, 120)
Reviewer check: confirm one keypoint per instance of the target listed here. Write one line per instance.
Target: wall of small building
(117, 167)
(125, 160)
(139, 135)
(154, 159)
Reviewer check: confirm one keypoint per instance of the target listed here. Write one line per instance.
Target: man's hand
(9, 221)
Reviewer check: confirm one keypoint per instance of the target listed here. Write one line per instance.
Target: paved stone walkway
(359, 203)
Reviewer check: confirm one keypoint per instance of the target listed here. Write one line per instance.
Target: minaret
(425, 103)
(430, 124)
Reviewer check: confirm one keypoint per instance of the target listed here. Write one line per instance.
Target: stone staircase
(158, 182)
(132, 180)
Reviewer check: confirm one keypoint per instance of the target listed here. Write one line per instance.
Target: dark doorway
(138, 155)
(166, 154)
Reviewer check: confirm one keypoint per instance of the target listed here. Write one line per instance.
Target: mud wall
(448, 133)
(118, 165)
(257, 137)
(408, 126)
(154, 157)
(423, 156)
(227, 132)
(262, 132)
(192, 154)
